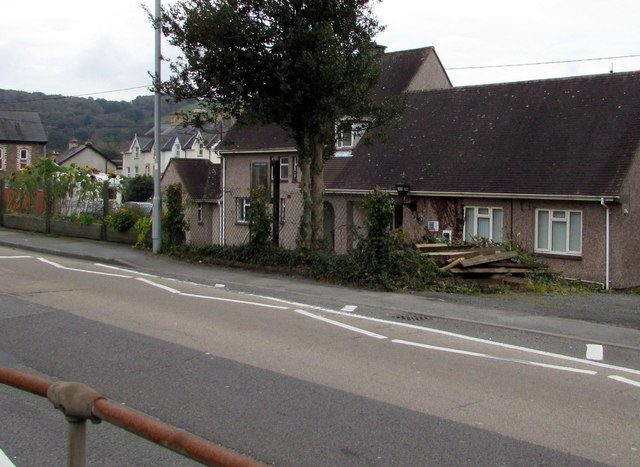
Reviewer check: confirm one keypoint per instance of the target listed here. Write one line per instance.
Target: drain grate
(412, 317)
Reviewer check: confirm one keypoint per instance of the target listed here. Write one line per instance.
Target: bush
(123, 220)
(138, 188)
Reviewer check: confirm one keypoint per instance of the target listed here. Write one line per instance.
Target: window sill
(559, 256)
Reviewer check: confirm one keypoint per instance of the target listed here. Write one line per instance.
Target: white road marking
(5, 461)
(108, 266)
(625, 380)
(160, 286)
(87, 271)
(595, 352)
(242, 302)
(14, 257)
(219, 286)
(493, 357)
(349, 308)
(342, 325)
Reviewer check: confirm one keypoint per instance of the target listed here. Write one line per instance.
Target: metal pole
(156, 227)
(77, 442)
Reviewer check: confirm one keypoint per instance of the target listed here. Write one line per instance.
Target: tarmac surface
(612, 318)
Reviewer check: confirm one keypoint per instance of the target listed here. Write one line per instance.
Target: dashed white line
(493, 357)
(625, 380)
(87, 271)
(342, 325)
(595, 352)
(160, 286)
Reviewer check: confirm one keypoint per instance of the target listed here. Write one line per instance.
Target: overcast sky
(82, 47)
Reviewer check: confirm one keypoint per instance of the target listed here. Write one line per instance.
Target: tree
(303, 64)
(138, 188)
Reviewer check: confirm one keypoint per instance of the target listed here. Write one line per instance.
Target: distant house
(22, 140)
(200, 180)
(86, 155)
(178, 141)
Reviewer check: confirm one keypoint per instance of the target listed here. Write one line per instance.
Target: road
(292, 383)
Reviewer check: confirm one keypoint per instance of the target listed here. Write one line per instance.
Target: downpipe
(607, 251)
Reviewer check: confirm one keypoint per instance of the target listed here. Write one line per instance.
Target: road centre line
(59, 266)
(625, 380)
(493, 357)
(342, 325)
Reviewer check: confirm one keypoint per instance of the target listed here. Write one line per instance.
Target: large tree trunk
(304, 229)
(317, 194)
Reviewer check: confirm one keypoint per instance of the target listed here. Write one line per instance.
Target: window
(147, 169)
(128, 171)
(242, 210)
(283, 210)
(23, 158)
(136, 152)
(294, 175)
(136, 171)
(284, 169)
(484, 223)
(348, 134)
(1, 158)
(559, 231)
(199, 213)
(260, 175)
(177, 150)
(200, 148)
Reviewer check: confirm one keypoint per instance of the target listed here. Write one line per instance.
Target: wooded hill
(109, 125)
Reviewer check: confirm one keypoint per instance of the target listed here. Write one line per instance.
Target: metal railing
(80, 403)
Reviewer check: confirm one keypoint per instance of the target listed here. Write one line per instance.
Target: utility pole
(156, 227)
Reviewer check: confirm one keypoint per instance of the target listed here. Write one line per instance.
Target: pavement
(607, 318)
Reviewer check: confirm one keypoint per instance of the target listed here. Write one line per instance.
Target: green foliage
(260, 219)
(174, 224)
(143, 226)
(138, 188)
(123, 219)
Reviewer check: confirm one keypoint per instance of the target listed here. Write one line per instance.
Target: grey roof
(561, 137)
(21, 126)
(398, 70)
(185, 134)
(200, 177)
(72, 152)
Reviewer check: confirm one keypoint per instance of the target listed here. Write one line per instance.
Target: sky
(105, 49)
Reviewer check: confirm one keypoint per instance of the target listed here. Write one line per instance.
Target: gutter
(607, 243)
(257, 151)
(441, 194)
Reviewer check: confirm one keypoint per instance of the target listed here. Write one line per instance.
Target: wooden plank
(482, 270)
(482, 259)
(452, 264)
(510, 264)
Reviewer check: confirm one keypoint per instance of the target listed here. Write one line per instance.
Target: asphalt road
(295, 384)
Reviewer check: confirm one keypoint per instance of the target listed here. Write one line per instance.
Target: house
(249, 151)
(86, 155)
(178, 141)
(550, 165)
(22, 140)
(200, 180)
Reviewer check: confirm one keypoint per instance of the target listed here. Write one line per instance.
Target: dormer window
(136, 152)
(177, 149)
(348, 134)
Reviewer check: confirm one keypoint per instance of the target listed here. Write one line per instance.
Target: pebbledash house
(551, 165)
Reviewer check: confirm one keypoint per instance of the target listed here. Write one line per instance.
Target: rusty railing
(80, 403)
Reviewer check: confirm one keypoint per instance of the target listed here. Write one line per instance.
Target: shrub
(123, 219)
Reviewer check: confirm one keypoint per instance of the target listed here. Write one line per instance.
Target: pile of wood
(470, 262)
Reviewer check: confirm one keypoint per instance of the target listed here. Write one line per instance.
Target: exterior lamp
(403, 189)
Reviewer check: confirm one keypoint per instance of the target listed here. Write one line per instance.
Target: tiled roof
(71, 152)
(562, 137)
(200, 177)
(21, 127)
(398, 70)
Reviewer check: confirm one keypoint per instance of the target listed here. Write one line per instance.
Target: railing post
(77, 442)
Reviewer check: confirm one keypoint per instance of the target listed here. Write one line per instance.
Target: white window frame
(136, 171)
(199, 214)
(2, 158)
(136, 152)
(558, 218)
(495, 231)
(177, 148)
(128, 171)
(354, 135)
(24, 157)
(284, 168)
(243, 206)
